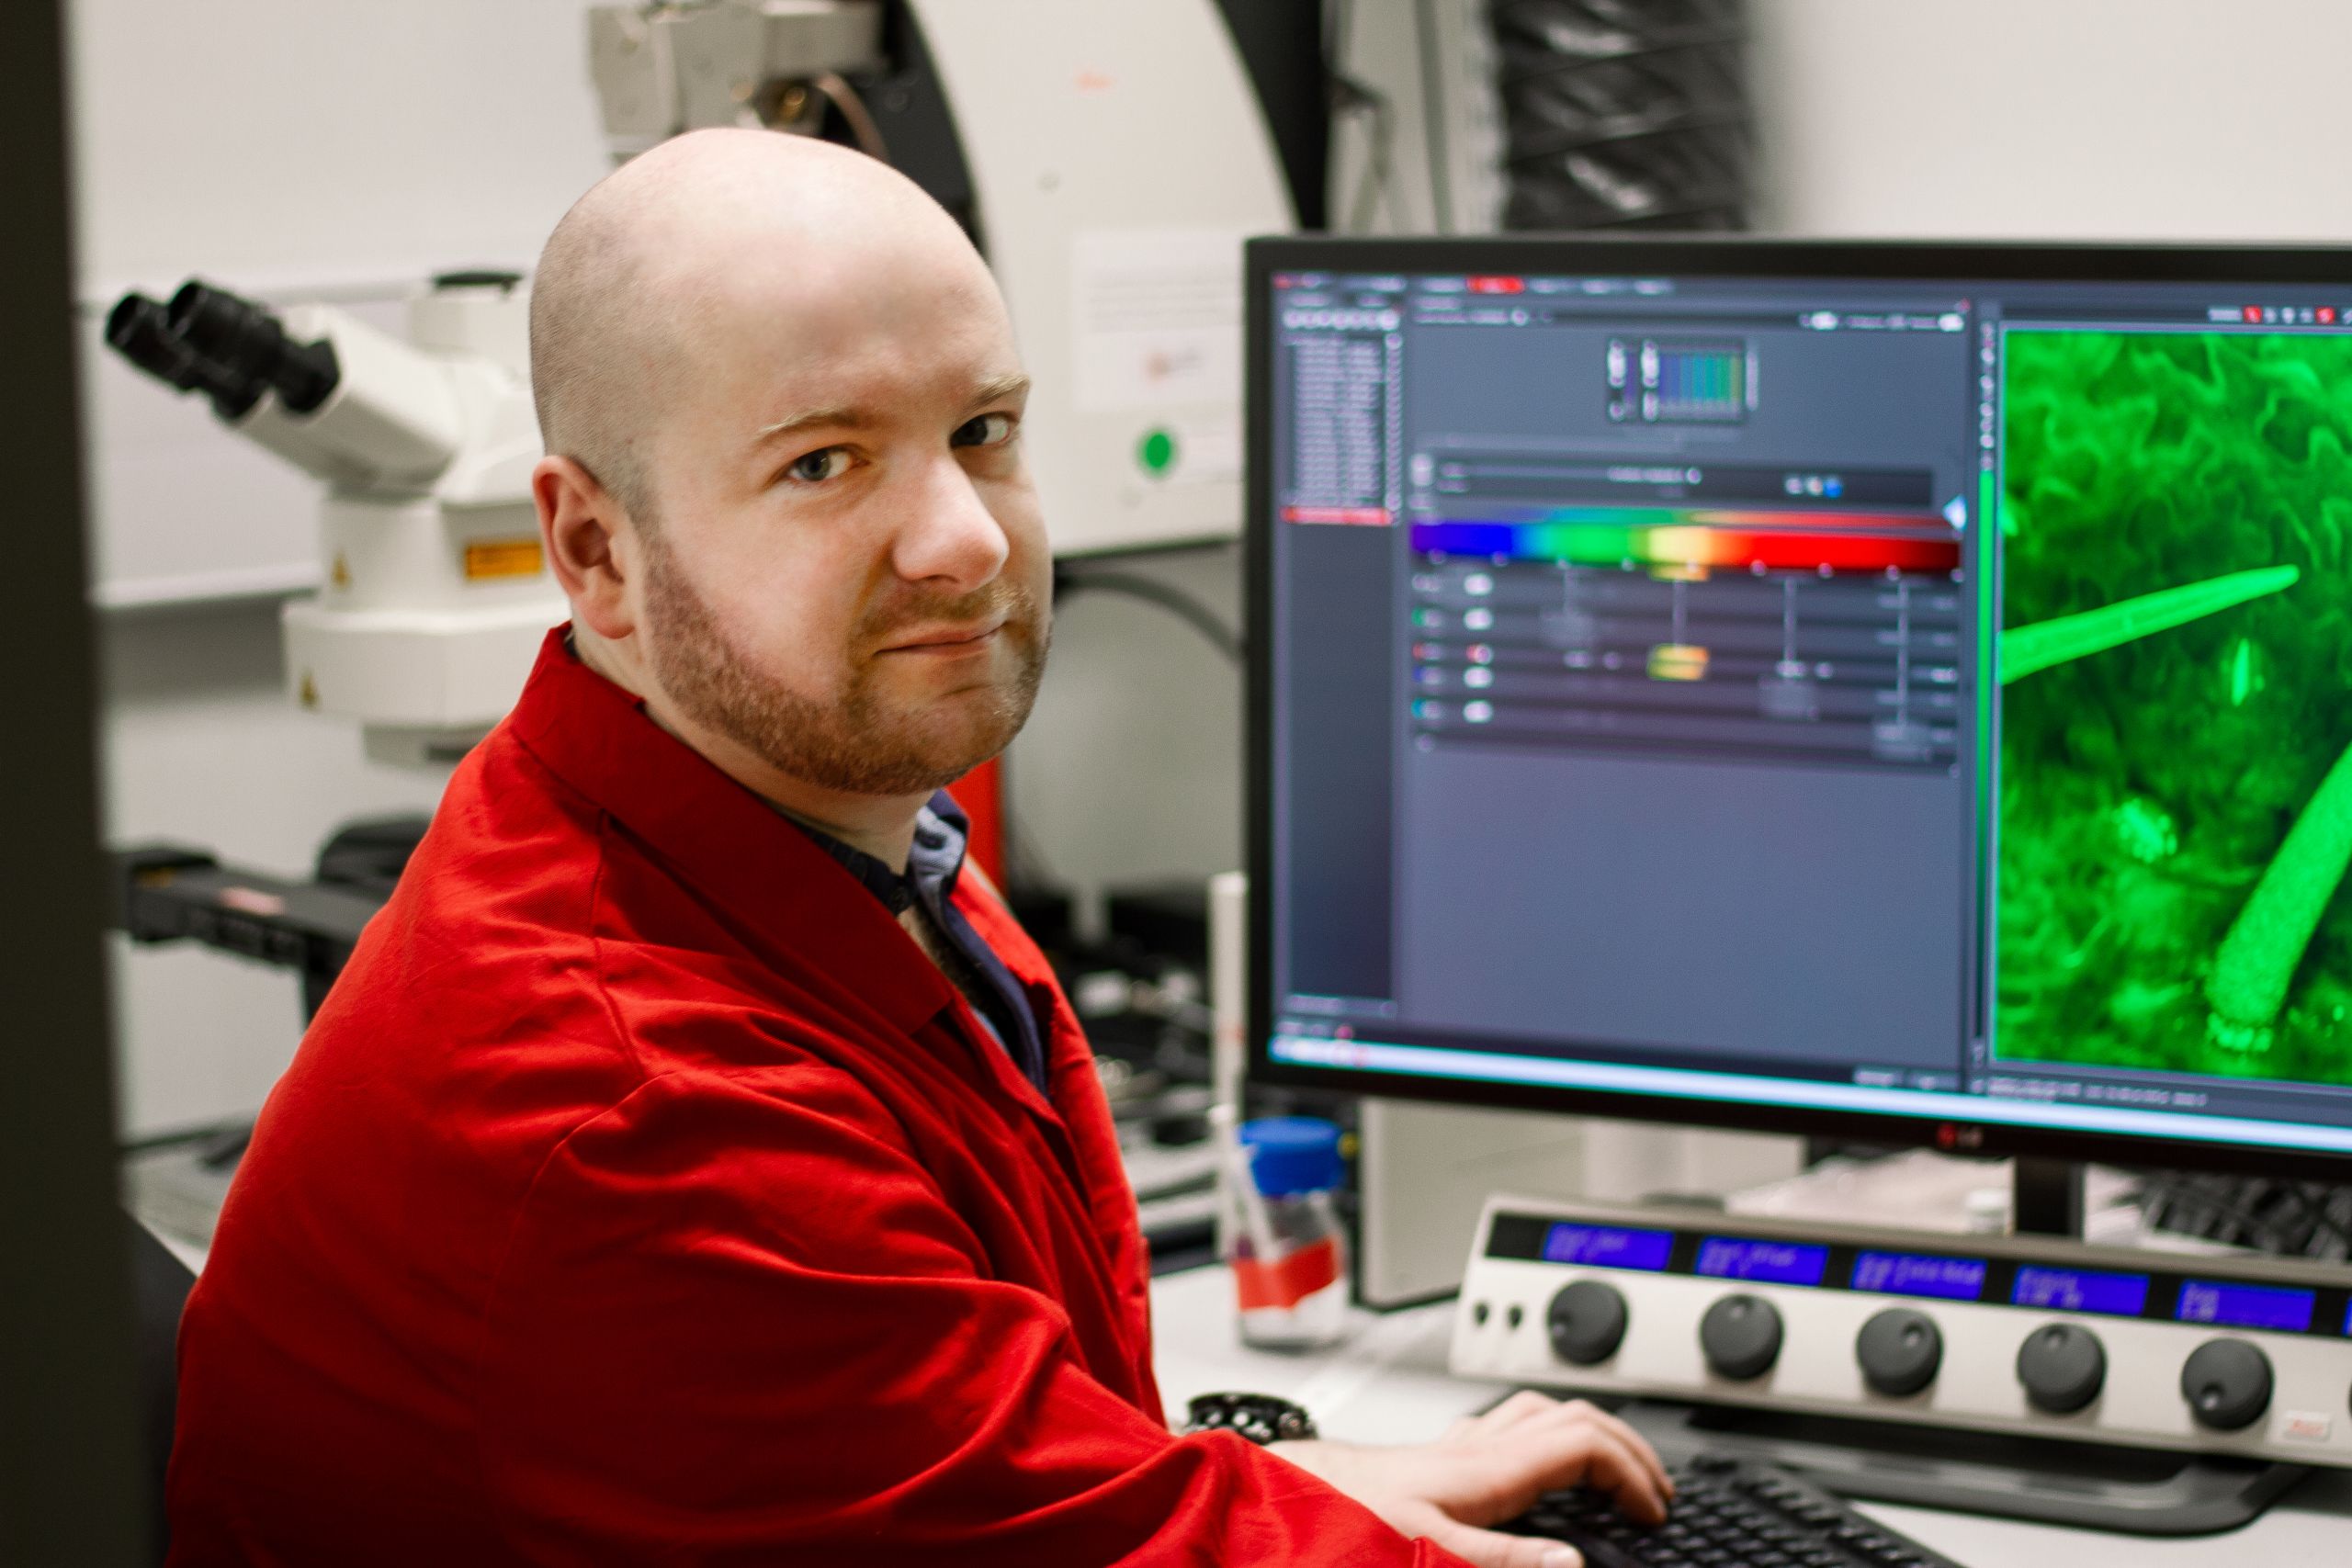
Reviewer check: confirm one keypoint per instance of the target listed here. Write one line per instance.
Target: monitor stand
(2046, 1197)
(2054, 1481)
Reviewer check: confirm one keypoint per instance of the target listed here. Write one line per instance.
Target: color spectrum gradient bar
(1707, 517)
(1685, 545)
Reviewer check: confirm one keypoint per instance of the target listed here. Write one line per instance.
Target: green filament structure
(2259, 958)
(2026, 649)
(2174, 806)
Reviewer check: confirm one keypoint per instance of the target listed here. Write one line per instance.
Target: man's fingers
(1637, 1444)
(1519, 1409)
(1516, 1415)
(1576, 1447)
(1492, 1549)
(1612, 1466)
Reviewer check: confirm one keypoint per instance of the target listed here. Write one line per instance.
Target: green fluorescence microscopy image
(2175, 661)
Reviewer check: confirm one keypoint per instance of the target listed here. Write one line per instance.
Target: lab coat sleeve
(741, 1325)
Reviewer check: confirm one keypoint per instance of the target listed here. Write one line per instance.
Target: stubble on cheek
(860, 737)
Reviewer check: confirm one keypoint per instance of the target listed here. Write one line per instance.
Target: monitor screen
(1897, 690)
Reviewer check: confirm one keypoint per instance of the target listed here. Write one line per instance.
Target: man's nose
(949, 536)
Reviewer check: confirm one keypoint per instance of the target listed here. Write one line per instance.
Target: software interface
(1921, 697)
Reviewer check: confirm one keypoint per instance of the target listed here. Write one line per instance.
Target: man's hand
(1493, 1467)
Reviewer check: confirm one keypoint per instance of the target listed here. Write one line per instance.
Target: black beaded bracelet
(1260, 1417)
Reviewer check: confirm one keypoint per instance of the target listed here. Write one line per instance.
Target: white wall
(286, 141)
(2055, 119)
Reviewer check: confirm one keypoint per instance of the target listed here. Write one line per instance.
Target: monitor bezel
(1692, 255)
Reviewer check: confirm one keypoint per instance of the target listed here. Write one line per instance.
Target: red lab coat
(643, 1194)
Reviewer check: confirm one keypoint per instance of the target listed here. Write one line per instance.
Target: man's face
(849, 576)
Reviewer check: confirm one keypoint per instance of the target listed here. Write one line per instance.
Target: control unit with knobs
(2242, 1355)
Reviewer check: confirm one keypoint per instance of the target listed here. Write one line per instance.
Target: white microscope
(434, 594)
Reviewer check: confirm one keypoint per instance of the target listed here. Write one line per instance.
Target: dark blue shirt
(934, 861)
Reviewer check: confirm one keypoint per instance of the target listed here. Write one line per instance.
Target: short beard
(852, 744)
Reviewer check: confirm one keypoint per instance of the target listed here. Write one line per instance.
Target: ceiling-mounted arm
(666, 68)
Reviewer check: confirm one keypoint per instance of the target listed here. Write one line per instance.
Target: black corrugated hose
(1625, 113)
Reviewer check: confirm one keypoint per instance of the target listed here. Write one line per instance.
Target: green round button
(1157, 452)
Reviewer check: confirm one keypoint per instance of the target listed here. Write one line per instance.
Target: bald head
(652, 272)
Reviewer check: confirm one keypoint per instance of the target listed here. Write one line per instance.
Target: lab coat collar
(720, 836)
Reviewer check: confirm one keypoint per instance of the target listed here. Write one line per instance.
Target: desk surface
(1388, 1384)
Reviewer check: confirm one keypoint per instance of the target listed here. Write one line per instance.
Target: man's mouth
(947, 638)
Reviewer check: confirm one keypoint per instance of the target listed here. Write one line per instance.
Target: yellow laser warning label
(504, 558)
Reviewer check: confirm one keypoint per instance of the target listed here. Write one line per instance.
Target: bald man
(695, 1164)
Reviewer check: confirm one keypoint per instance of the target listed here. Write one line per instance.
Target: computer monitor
(1892, 691)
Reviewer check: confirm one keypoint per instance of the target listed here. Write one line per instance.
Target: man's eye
(984, 430)
(831, 463)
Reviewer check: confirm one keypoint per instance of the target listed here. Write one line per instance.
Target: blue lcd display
(1915, 1274)
(2247, 1306)
(1770, 1262)
(1608, 1247)
(2080, 1289)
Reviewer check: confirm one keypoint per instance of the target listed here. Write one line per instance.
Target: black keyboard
(1728, 1513)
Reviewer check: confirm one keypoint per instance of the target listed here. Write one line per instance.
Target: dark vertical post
(69, 1446)
(1281, 43)
(2046, 1198)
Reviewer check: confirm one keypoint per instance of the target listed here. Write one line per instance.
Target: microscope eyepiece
(247, 340)
(139, 330)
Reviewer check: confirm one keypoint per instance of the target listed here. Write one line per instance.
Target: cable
(854, 114)
(1175, 601)
(798, 107)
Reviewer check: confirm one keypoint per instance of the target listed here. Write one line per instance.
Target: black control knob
(1588, 1322)
(1741, 1336)
(1899, 1350)
(2063, 1366)
(2227, 1384)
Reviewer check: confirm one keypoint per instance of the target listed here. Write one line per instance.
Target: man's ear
(582, 528)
